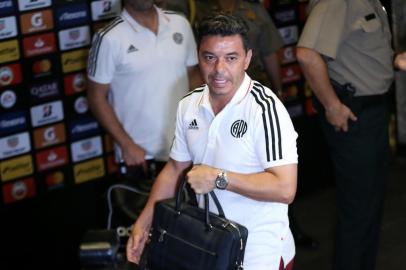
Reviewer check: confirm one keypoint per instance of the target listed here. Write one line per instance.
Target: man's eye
(209, 57)
(231, 58)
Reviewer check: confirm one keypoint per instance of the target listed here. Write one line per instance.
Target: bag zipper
(164, 232)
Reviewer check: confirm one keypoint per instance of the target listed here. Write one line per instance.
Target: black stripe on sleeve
(264, 121)
(278, 128)
(92, 65)
(196, 90)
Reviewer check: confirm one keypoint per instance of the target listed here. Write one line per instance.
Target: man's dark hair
(221, 24)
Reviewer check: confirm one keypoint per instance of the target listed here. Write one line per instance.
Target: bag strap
(179, 201)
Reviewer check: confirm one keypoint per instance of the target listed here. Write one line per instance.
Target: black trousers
(360, 157)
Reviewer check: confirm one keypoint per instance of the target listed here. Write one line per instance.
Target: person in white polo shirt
(138, 70)
(240, 141)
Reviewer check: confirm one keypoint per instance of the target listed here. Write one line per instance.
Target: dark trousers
(360, 157)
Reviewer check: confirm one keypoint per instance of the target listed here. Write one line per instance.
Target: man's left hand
(202, 178)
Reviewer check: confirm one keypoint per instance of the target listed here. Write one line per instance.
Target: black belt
(346, 92)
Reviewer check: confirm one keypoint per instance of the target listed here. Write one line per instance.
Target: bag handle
(179, 194)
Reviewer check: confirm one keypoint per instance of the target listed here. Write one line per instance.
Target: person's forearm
(266, 186)
(104, 113)
(273, 71)
(315, 70)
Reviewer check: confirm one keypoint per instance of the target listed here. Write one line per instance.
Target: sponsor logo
(10, 74)
(8, 27)
(8, 99)
(193, 124)
(41, 68)
(131, 49)
(289, 34)
(74, 61)
(83, 127)
(238, 128)
(87, 148)
(6, 6)
(36, 21)
(287, 55)
(19, 190)
(14, 145)
(52, 158)
(39, 44)
(74, 83)
(285, 16)
(9, 51)
(88, 170)
(16, 167)
(74, 38)
(72, 15)
(54, 180)
(105, 9)
(81, 106)
(291, 73)
(12, 122)
(32, 4)
(44, 90)
(46, 113)
(50, 135)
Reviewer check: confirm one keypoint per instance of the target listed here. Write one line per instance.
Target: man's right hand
(136, 243)
(339, 115)
(133, 155)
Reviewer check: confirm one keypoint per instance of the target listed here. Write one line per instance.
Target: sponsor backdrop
(48, 138)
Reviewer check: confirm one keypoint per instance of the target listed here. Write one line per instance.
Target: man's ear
(248, 59)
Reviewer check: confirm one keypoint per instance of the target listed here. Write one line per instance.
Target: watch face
(221, 181)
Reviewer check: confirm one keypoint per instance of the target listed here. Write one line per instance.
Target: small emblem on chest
(177, 37)
(238, 128)
(193, 124)
(131, 49)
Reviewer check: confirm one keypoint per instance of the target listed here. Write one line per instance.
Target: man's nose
(220, 65)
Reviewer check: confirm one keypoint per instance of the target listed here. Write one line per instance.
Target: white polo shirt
(147, 74)
(253, 132)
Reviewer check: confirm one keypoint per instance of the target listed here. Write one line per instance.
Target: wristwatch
(221, 180)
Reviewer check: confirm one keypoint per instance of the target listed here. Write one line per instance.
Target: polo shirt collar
(163, 20)
(239, 95)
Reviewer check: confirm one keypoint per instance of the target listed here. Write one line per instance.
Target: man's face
(223, 62)
(141, 5)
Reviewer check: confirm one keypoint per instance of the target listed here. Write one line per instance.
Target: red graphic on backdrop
(52, 158)
(10, 74)
(19, 190)
(39, 44)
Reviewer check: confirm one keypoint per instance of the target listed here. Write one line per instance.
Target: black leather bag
(186, 237)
